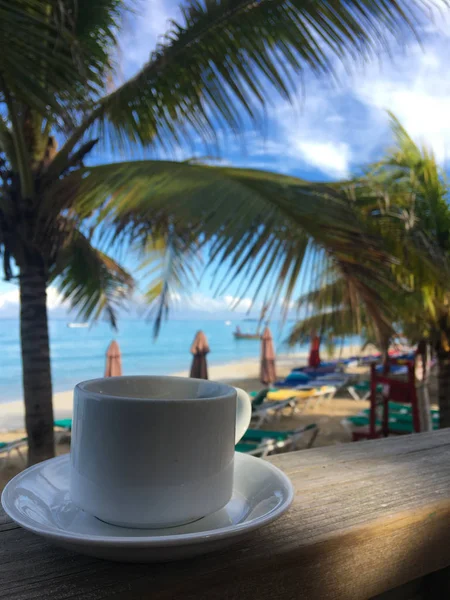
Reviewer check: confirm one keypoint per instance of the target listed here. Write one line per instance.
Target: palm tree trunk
(36, 373)
(444, 390)
(423, 400)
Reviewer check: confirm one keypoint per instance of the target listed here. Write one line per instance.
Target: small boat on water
(239, 335)
(77, 325)
(246, 336)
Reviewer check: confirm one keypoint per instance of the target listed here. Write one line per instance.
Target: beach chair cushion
(245, 447)
(13, 444)
(257, 435)
(296, 376)
(299, 393)
(401, 424)
(285, 394)
(63, 423)
(364, 386)
(259, 398)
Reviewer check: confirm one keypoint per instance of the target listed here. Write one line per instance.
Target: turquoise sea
(79, 354)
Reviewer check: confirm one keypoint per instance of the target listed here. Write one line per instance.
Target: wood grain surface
(367, 517)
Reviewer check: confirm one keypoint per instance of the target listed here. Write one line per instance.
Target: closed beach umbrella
(314, 356)
(268, 374)
(113, 360)
(199, 349)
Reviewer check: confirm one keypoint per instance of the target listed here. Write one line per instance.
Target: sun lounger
(8, 447)
(63, 430)
(335, 380)
(65, 424)
(269, 411)
(314, 372)
(402, 413)
(361, 391)
(304, 397)
(393, 369)
(300, 391)
(292, 380)
(258, 398)
(397, 422)
(261, 443)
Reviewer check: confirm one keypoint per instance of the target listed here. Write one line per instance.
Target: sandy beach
(244, 374)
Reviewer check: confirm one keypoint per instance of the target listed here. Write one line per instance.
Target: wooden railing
(367, 518)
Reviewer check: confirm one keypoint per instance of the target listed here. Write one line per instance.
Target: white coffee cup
(154, 451)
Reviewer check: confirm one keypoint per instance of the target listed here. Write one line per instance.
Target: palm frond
(264, 227)
(169, 267)
(337, 324)
(93, 282)
(7, 142)
(55, 54)
(409, 207)
(402, 200)
(362, 293)
(212, 69)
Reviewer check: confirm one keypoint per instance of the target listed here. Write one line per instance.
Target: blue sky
(331, 130)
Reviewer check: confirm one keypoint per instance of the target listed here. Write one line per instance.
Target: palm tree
(414, 217)
(57, 103)
(403, 200)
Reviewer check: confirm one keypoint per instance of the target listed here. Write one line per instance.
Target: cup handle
(243, 413)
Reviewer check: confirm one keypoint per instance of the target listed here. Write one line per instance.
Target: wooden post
(373, 403)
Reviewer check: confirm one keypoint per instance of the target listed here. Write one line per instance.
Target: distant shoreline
(12, 413)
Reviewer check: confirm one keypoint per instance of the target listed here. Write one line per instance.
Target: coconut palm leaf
(170, 266)
(259, 224)
(402, 200)
(362, 293)
(55, 54)
(410, 192)
(337, 324)
(211, 69)
(93, 282)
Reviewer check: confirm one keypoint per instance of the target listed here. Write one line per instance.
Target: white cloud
(240, 304)
(144, 31)
(338, 128)
(200, 301)
(54, 298)
(10, 299)
(315, 133)
(335, 127)
(417, 90)
(331, 157)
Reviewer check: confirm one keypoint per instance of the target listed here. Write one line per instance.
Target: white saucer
(38, 500)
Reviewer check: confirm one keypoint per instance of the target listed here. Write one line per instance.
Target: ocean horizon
(79, 353)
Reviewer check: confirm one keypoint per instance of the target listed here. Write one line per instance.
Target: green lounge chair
(397, 424)
(65, 424)
(8, 447)
(268, 411)
(398, 407)
(361, 391)
(261, 443)
(63, 431)
(258, 398)
(256, 435)
(403, 413)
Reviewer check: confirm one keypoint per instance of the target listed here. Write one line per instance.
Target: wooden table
(367, 517)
